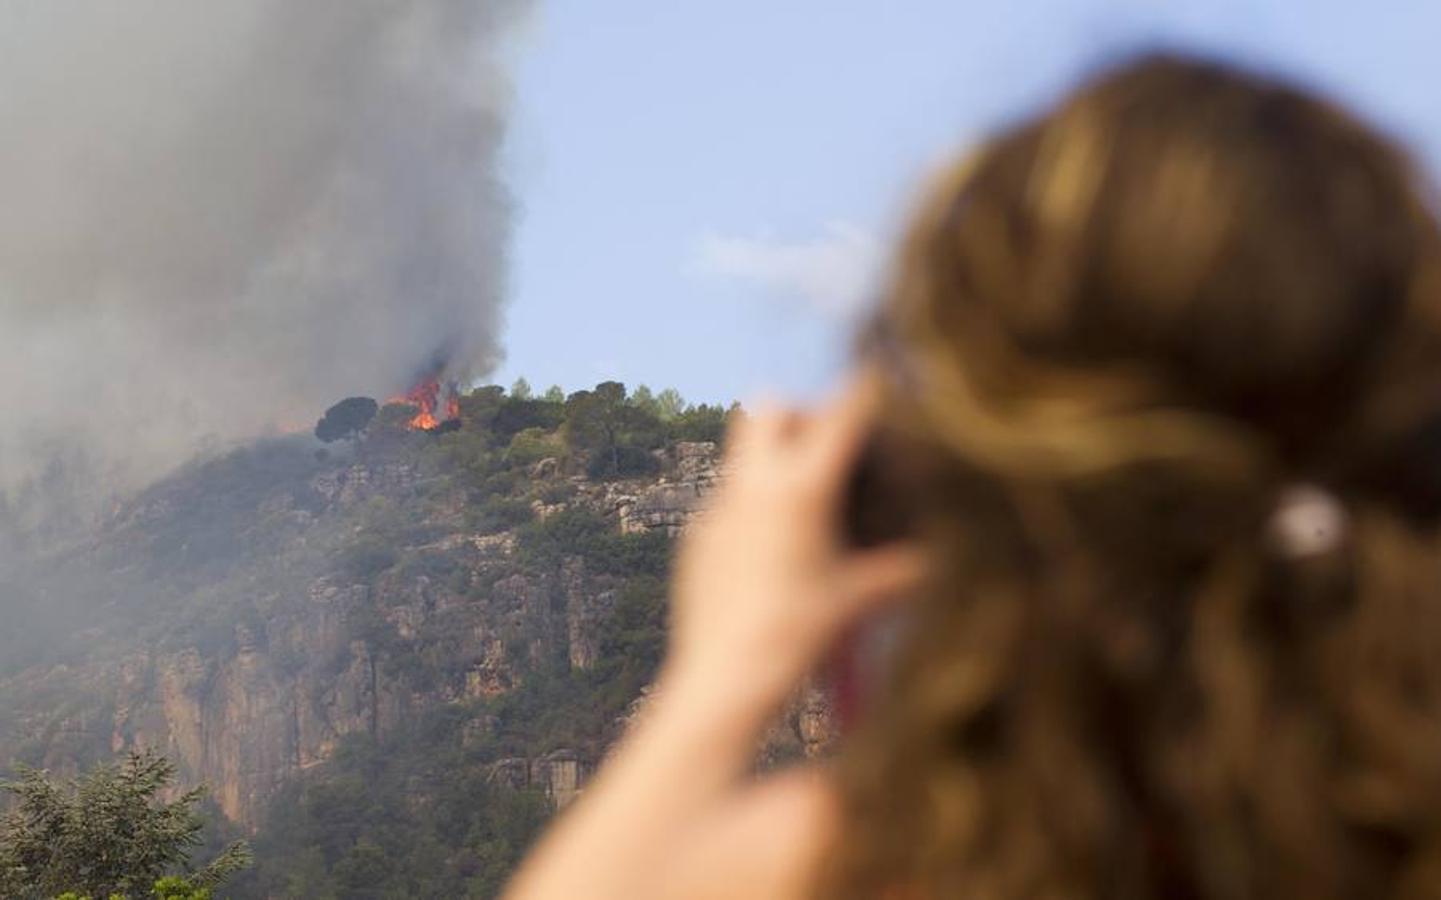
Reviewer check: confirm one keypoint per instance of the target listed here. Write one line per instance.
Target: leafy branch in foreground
(107, 833)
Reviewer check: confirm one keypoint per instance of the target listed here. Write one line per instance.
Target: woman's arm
(764, 586)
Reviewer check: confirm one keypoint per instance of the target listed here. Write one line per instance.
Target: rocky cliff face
(278, 660)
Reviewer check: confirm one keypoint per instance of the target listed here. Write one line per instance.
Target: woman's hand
(765, 584)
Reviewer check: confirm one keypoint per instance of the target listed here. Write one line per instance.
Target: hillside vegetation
(392, 656)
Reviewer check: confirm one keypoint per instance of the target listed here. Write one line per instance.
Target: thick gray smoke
(219, 216)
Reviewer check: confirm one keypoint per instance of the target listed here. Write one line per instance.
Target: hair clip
(1307, 521)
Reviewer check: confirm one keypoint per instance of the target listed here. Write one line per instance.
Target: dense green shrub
(415, 817)
(367, 557)
(581, 532)
(109, 832)
(531, 446)
(498, 512)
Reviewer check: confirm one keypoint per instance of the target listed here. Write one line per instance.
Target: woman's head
(1117, 338)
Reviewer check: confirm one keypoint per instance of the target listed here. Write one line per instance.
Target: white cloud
(833, 272)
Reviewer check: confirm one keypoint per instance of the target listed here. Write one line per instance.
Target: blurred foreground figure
(1151, 421)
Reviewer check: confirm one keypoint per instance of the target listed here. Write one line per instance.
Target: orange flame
(426, 397)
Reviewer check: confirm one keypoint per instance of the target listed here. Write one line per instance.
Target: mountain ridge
(287, 615)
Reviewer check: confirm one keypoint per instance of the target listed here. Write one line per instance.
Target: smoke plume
(218, 217)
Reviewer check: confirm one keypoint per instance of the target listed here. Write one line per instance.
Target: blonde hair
(1126, 327)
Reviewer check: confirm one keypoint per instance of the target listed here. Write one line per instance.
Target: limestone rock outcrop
(327, 653)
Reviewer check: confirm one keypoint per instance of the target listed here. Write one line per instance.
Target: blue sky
(708, 190)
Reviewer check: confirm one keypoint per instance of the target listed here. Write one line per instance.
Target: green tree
(553, 394)
(593, 424)
(363, 870)
(670, 404)
(517, 415)
(479, 407)
(615, 434)
(643, 399)
(701, 423)
(391, 423)
(521, 390)
(346, 419)
(105, 833)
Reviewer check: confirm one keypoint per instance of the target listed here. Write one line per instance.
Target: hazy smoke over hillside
(218, 217)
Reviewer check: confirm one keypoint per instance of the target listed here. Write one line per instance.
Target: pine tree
(106, 833)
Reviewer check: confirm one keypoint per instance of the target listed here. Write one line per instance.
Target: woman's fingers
(830, 438)
(876, 578)
(838, 434)
(765, 426)
(866, 583)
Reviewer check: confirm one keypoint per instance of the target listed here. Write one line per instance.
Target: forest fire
(437, 404)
